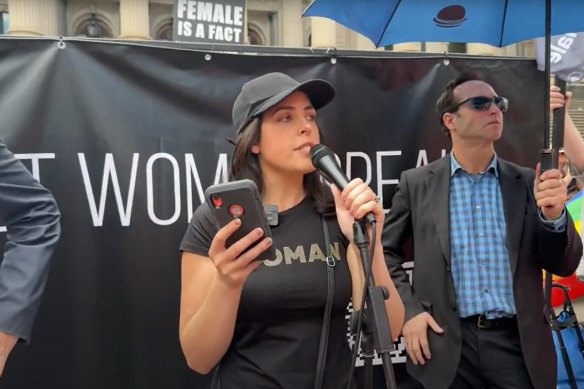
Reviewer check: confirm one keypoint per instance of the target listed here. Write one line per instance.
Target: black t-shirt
(279, 321)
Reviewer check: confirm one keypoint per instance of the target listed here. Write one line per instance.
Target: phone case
(240, 199)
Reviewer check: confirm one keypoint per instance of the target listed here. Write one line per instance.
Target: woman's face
(288, 132)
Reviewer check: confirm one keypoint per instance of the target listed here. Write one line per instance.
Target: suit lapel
(438, 185)
(514, 203)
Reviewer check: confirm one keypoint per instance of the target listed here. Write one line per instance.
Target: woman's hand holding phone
(244, 238)
(234, 264)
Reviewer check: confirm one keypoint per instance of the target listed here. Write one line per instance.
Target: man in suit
(31, 217)
(481, 229)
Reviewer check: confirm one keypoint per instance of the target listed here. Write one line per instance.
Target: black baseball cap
(263, 92)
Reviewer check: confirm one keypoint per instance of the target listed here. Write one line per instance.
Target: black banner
(128, 136)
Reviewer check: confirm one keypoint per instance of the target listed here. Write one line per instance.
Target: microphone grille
(317, 152)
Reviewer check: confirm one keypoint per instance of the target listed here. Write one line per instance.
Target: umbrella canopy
(495, 22)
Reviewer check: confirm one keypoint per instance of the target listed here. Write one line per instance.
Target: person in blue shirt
(481, 230)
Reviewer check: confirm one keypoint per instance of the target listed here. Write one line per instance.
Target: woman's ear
(255, 149)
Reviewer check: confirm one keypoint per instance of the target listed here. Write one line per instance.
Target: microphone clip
(271, 212)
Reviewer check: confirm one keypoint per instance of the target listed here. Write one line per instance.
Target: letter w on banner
(566, 56)
(218, 21)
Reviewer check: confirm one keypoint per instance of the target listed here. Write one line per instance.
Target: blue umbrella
(495, 22)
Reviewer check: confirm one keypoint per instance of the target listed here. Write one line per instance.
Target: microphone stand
(372, 323)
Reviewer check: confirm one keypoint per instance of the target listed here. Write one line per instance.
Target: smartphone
(240, 199)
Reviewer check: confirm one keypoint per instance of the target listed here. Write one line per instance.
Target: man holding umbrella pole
(475, 308)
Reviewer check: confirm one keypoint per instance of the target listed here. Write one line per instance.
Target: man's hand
(415, 333)
(550, 192)
(7, 343)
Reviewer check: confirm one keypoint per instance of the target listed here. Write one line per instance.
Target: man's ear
(255, 149)
(448, 119)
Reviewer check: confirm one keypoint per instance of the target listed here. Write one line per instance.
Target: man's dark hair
(446, 99)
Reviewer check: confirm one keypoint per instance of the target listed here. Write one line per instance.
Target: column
(33, 17)
(324, 33)
(363, 43)
(409, 46)
(481, 49)
(436, 47)
(291, 31)
(134, 19)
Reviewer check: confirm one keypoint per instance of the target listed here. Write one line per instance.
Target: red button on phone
(236, 210)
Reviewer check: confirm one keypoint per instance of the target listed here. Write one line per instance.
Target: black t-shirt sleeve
(200, 232)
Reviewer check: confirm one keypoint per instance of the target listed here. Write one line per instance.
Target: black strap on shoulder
(323, 344)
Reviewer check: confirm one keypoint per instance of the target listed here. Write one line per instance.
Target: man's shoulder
(512, 168)
(432, 167)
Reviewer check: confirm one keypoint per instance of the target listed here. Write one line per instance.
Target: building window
(457, 47)
(164, 32)
(93, 27)
(254, 37)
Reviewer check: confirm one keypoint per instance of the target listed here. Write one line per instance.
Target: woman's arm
(210, 293)
(393, 305)
(356, 200)
(208, 309)
(573, 142)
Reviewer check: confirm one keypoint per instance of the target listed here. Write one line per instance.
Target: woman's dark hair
(245, 164)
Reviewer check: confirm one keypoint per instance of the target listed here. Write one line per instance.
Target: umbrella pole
(553, 141)
(553, 137)
(549, 155)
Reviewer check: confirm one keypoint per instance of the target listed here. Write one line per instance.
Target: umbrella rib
(397, 3)
(503, 24)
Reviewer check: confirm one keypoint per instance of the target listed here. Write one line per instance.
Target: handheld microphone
(324, 160)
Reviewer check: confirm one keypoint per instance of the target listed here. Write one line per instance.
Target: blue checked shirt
(479, 259)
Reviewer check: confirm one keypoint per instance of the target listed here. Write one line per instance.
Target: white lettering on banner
(34, 159)
(150, 189)
(194, 187)
(109, 172)
(200, 31)
(227, 34)
(209, 21)
(35, 167)
(563, 45)
(185, 28)
(360, 154)
(191, 170)
(422, 158)
(210, 12)
(124, 207)
(380, 180)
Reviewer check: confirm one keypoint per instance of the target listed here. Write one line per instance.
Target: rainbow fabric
(576, 287)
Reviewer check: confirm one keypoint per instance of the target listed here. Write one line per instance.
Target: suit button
(453, 307)
(448, 268)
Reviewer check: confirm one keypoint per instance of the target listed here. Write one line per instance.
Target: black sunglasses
(483, 103)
